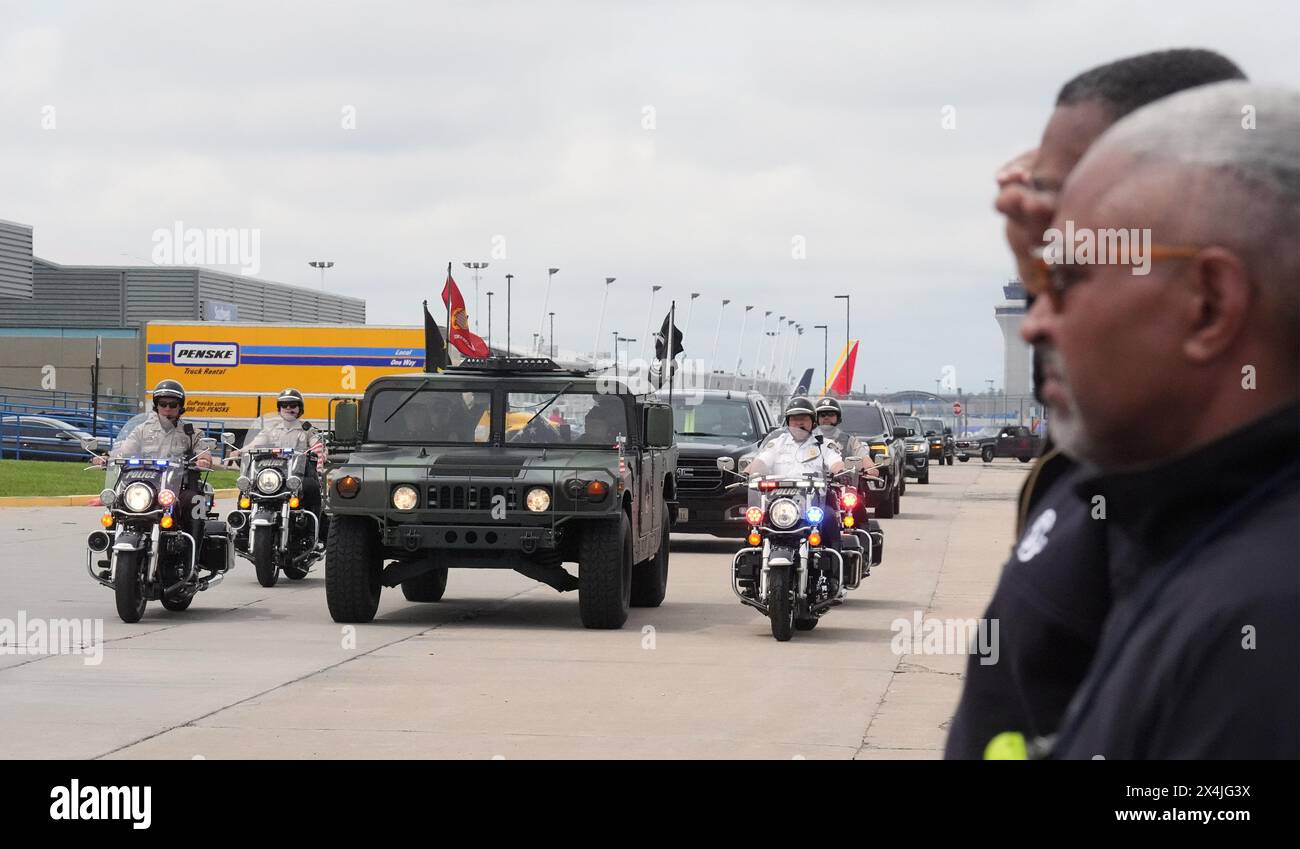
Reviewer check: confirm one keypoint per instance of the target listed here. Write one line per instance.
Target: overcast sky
(685, 144)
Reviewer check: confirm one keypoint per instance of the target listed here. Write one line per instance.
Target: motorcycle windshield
(266, 434)
(119, 442)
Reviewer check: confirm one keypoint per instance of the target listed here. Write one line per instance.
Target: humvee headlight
(784, 513)
(405, 497)
(538, 500)
(137, 497)
(268, 481)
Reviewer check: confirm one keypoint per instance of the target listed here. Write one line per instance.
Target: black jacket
(1050, 604)
(1209, 667)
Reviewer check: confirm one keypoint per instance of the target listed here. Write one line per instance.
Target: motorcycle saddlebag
(217, 553)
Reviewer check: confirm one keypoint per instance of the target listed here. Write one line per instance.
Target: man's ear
(1219, 304)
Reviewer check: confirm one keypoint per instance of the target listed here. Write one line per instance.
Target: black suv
(875, 425)
(512, 464)
(917, 464)
(941, 441)
(713, 423)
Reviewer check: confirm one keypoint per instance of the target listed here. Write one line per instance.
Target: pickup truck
(1007, 441)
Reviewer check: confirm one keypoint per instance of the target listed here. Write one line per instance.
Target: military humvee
(497, 463)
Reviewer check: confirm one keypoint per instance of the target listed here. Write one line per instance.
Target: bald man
(1193, 457)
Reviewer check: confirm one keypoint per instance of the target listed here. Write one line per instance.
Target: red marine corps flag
(458, 332)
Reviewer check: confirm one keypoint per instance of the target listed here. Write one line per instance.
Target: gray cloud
(525, 120)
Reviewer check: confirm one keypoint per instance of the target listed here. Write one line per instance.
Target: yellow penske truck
(232, 373)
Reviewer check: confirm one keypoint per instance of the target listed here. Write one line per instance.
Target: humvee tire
(605, 573)
(428, 587)
(650, 579)
(352, 570)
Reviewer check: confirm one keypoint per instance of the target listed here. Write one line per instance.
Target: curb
(77, 500)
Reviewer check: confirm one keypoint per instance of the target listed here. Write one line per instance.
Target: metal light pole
(615, 350)
(628, 349)
(322, 264)
(600, 322)
(713, 357)
(475, 267)
(846, 324)
(649, 320)
(489, 339)
(776, 343)
(759, 349)
(509, 279)
(541, 323)
(826, 362)
(552, 314)
(690, 310)
(740, 348)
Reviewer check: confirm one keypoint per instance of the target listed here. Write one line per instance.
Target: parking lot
(502, 666)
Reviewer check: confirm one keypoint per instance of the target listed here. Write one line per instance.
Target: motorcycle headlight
(268, 481)
(538, 500)
(783, 513)
(137, 497)
(405, 497)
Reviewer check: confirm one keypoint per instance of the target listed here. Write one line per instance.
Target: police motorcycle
(789, 572)
(152, 546)
(274, 526)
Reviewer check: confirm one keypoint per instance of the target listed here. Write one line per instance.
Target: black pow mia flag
(665, 356)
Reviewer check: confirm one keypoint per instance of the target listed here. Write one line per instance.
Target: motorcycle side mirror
(726, 464)
(228, 438)
(207, 443)
(743, 464)
(854, 463)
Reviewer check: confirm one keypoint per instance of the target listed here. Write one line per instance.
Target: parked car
(42, 438)
(876, 426)
(1006, 441)
(941, 441)
(713, 423)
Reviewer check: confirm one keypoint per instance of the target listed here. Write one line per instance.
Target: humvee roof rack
(509, 364)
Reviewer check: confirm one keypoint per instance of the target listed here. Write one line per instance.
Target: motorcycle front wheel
(780, 603)
(128, 587)
(264, 557)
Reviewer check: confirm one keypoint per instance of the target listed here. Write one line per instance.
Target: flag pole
(668, 351)
(446, 296)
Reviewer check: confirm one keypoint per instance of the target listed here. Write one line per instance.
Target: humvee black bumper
(477, 537)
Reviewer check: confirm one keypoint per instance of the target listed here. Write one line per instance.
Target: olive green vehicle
(500, 464)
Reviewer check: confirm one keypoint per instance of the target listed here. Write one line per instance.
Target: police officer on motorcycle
(288, 430)
(163, 436)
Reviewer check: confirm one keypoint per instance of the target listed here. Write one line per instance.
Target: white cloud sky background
(525, 120)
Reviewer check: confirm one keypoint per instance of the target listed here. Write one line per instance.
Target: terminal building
(52, 315)
(1017, 356)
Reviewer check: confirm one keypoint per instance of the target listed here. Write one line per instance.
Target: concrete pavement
(502, 667)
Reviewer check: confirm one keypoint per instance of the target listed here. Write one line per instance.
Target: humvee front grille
(464, 497)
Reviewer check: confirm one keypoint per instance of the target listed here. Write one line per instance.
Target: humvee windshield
(570, 418)
(428, 415)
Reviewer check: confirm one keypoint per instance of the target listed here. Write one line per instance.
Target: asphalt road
(502, 666)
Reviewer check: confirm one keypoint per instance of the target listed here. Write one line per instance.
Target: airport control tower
(1017, 368)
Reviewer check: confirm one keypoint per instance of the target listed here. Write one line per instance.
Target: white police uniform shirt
(278, 432)
(154, 439)
(784, 456)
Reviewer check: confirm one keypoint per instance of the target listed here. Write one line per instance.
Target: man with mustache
(1054, 591)
(1194, 455)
